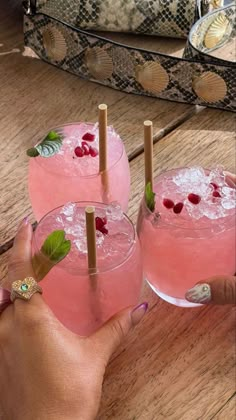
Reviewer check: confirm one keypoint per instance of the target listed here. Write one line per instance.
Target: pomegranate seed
(85, 147)
(88, 137)
(93, 152)
(178, 208)
(216, 194)
(214, 185)
(194, 198)
(104, 230)
(79, 152)
(169, 204)
(100, 224)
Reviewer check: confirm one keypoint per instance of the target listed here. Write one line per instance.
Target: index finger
(20, 265)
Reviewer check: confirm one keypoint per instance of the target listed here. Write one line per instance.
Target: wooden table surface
(179, 364)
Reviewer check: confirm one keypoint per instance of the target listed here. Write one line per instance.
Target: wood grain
(228, 412)
(179, 364)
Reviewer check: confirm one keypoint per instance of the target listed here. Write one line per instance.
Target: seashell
(54, 43)
(99, 63)
(216, 4)
(209, 87)
(216, 31)
(152, 76)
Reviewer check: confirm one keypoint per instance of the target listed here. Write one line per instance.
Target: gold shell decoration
(216, 31)
(209, 87)
(152, 76)
(54, 43)
(99, 63)
(217, 3)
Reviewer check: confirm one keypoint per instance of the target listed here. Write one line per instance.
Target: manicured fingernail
(24, 222)
(138, 313)
(201, 293)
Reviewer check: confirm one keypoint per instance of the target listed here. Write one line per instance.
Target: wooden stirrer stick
(102, 110)
(91, 238)
(148, 152)
(102, 137)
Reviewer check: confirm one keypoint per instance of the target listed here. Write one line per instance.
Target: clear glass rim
(85, 271)
(37, 160)
(201, 228)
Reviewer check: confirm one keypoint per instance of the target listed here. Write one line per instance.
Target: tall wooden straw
(92, 263)
(148, 152)
(103, 165)
(91, 239)
(102, 116)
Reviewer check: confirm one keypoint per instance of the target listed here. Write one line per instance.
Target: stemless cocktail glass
(191, 234)
(83, 301)
(73, 173)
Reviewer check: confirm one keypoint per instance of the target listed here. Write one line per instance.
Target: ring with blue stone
(25, 289)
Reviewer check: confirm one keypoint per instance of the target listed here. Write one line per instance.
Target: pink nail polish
(138, 313)
(24, 222)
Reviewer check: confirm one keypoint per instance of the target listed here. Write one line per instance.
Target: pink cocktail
(83, 301)
(191, 234)
(72, 174)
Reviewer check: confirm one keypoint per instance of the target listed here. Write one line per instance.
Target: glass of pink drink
(83, 301)
(73, 173)
(190, 236)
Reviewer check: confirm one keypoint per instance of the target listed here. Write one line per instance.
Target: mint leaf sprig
(48, 147)
(54, 249)
(150, 197)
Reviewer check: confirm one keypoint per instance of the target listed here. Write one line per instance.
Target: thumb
(110, 335)
(220, 290)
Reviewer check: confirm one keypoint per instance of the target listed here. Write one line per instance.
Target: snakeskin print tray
(59, 32)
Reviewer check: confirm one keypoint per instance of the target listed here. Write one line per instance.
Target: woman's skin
(46, 371)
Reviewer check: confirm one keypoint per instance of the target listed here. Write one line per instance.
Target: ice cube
(68, 209)
(217, 176)
(81, 245)
(60, 220)
(212, 211)
(191, 180)
(114, 211)
(99, 238)
(228, 203)
(189, 175)
(75, 230)
(229, 192)
(194, 211)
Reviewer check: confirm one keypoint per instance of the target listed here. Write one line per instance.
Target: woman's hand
(46, 371)
(220, 290)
